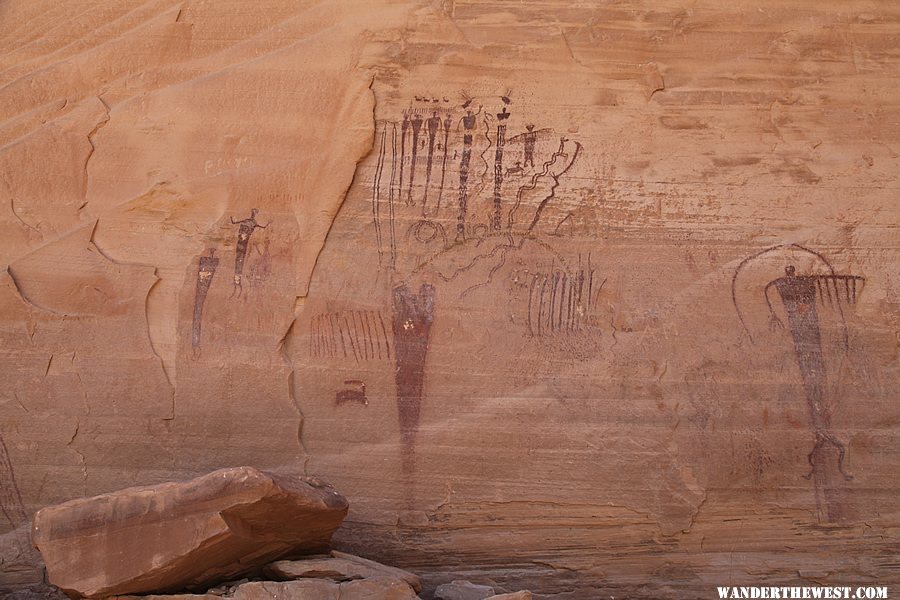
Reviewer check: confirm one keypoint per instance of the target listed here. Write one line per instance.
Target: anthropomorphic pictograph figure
(413, 315)
(404, 127)
(246, 229)
(432, 124)
(416, 123)
(498, 166)
(206, 270)
(798, 295)
(528, 141)
(802, 299)
(468, 123)
(448, 121)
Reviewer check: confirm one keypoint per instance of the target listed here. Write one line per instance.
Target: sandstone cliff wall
(580, 297)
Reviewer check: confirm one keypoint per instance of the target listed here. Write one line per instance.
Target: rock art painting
(434, 255)
(802, 297)
(246, 227)
(489, 231)
(206, 270)
(498, 213)
(354, 391)
(562, 302)
(469, 121)
(413, 315)
(360, 335)
(603, 291)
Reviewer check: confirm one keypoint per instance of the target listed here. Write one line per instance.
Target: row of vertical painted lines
(824, 284)
(361, 334)
(558, 302)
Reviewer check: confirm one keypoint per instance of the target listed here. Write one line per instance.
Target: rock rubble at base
(194, 540)
(466, 590)
(22, 573)
(339, 567)
(189, 535)
(377, 588)
(336, 576)
(463, 590)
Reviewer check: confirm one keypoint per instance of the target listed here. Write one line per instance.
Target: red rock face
(509, 275)
(179, 536)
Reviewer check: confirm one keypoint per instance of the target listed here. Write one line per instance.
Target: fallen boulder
(184, 536)
(339, 567)
(523, 595)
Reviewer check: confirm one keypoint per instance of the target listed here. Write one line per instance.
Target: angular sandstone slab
(378, 588)
(178, 536)
(378, 568)
(522, 595)
(339, 567)
(463, 590)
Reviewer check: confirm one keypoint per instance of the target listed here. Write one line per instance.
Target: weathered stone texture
(339, 567)
(589, 298)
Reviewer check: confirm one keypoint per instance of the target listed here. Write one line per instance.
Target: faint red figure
(247, 227)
